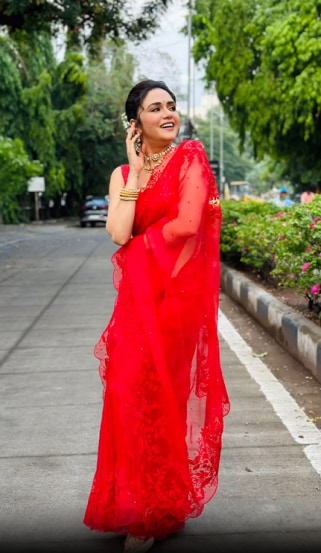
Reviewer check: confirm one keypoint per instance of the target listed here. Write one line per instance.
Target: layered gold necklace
(150, 162)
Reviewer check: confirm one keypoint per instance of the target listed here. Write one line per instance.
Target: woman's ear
(137, 124)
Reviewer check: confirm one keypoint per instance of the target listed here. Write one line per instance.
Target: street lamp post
(222, 178)
(189, 39)
(212, 126)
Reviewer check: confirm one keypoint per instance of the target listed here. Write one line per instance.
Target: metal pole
(222, 178)
(211, 135)
(212, 127)
(194, 91)
(189, 59)
(37, 206)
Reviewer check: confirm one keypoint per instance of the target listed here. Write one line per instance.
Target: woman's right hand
(135, 161)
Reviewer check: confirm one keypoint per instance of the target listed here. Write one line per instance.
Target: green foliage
(101, 135)
(39, 118)
(35, 54)
(68, 93)
(265, 59)
(10, 88)
(88, 21)
(298, 252)
(231, 217)
(280, 246)
(236, 165)
(239, 244)
(67, 115)
(15, 170)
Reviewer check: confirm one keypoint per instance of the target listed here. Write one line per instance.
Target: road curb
(297, 335)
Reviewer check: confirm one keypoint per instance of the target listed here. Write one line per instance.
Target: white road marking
(303, 431)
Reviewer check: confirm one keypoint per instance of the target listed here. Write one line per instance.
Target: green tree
(88, 21)
(15, 170)
(11, 67)
(68, 94)
(42, 105)
(265, 59)
(101, 135)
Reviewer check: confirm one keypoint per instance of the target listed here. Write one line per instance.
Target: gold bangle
(123, 195)
(128, 199)
(130, 190)
(129, 194)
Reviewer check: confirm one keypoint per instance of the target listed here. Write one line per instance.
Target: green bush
(15, 170)
(239, 244)
(281, 245)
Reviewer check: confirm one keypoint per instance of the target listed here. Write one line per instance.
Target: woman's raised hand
(135, 161)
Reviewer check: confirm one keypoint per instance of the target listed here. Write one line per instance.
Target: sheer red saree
(164, 394)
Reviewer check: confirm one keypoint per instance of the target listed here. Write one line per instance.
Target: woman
(164, 394)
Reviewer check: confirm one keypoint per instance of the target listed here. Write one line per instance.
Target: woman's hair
(138, 93)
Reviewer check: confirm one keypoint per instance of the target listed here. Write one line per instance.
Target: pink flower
(314, 222)
(280, 238)
(315, 289)
(305, 267)
(308, 250)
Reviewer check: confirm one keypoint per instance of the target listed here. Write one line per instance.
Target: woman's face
(158, 117)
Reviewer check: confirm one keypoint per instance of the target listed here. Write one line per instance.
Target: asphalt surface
(56, 297)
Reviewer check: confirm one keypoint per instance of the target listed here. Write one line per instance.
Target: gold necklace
(150, 162)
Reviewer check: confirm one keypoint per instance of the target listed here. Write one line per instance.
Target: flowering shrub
(283, 246)
(257, 239)
(244, 237)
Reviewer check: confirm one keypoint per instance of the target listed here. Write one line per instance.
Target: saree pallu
(164, 394)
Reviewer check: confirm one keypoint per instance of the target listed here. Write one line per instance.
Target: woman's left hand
(135, 161)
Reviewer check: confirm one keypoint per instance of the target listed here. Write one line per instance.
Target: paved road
(55, 299)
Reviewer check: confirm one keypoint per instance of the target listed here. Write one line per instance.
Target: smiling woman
(164, 393)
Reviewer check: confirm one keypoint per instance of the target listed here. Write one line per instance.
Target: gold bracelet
(129, 194)
(128, 199)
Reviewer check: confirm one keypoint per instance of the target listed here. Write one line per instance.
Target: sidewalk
(52, 310)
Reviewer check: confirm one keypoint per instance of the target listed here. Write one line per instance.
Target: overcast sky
(165, 56)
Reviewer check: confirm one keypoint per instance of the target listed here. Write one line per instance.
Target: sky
(165, 56)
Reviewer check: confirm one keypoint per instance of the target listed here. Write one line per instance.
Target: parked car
(93, 211)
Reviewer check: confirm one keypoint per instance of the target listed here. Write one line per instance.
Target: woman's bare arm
(121, 213)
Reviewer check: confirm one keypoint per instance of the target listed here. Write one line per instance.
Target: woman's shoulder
(192, 146)
(193, 151)
(118, 177)
(120, 171)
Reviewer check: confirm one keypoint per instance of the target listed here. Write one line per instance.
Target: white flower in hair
(125, 122)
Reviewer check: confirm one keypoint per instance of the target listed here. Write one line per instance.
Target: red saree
(164, 394)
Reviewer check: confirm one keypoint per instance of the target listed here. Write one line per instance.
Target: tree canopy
(65, 114)
(265, 59)
(87, 20)
(101, 134)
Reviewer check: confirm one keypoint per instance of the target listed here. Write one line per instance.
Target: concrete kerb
(297, 335)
